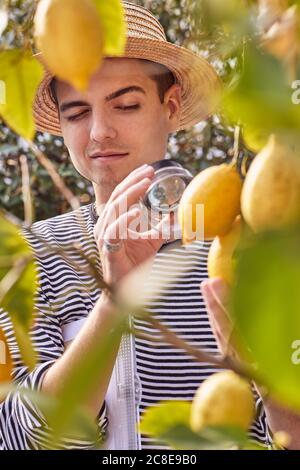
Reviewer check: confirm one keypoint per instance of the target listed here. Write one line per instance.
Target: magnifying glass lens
(164, 194)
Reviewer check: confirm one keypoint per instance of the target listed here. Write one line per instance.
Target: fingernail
(146, 167)
(146, 181)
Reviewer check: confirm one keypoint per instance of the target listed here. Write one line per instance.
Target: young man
(113, 131)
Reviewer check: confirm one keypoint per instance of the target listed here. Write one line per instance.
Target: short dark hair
(162, 76)
(164, 82)
(52, 88)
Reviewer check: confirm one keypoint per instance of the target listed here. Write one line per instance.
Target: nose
(102, 127)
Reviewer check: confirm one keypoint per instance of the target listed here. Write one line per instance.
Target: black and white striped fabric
(67, 294)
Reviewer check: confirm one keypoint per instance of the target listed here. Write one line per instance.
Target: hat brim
(200, 84)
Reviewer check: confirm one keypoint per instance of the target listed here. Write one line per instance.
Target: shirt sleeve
(22, 424)
(259, 431)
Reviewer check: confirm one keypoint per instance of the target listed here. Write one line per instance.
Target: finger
(123, 203)
(220, 290)
(134, 177)
(160, 232)
(217, 316)
(219, 336)
(220, 320)
(118, 230)
(164, 227)
(220, 329)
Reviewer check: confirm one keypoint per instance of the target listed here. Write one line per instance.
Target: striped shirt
(65, 295)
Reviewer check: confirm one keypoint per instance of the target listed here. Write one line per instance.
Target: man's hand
(136, 247)
(215, 292)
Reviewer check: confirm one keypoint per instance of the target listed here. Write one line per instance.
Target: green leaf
(81, 383)
(19, 300)
(61, 414)
(160, 418)
(266, 306)
(181, 437)
(18, 284)
(262, 98)
(20, 74)
(168, 422)
(81, 424)
(26, 348)
(114, 25)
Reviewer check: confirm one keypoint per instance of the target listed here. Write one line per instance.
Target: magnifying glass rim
(158, 209)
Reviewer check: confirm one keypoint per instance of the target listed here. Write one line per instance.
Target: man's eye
(122, 108)
(76, 116)
(128, 108)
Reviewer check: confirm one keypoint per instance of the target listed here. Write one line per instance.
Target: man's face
(120, 113)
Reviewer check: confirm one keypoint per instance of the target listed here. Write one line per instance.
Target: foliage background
(207, 143)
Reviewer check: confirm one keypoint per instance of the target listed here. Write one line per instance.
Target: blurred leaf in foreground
(266, 306)
(17, 285)
(114, 26)
(81, 425)
(20, 75)
(262, 98)
(168, 422)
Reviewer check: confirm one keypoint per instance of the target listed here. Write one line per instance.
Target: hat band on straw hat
(146, 39)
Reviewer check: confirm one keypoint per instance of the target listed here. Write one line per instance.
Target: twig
(56, 178)
(198, 354)
(10, 260)
(244, 166)
(13, 275)
(27, 200)
(236, 145)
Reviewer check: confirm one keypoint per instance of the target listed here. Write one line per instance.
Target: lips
(108, 158)
(106, 155)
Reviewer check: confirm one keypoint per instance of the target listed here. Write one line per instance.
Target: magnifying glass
(164, 194)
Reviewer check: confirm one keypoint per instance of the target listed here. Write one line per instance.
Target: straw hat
(146, 39)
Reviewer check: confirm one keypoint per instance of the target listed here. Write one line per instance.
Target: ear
(172, 103)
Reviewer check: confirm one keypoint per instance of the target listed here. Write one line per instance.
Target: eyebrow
(129, 89)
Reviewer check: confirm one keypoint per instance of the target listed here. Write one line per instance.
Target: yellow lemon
(271, 193)
(5, 360)
(220, 261)
(70, 37)
(224, 399)
(217, 190)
